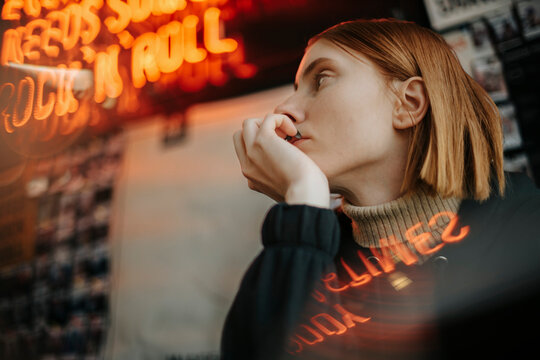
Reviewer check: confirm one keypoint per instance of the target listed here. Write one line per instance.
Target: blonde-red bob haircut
(457, 148)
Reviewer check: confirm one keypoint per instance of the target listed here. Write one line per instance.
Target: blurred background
(125, 222)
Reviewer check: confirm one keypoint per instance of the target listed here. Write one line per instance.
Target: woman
(433, 248)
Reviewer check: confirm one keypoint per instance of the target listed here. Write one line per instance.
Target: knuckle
(251, 185)
(258, 142)
(249, 121)
(248, 173)
(236, 138)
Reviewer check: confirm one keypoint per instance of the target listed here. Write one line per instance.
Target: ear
(412, 104)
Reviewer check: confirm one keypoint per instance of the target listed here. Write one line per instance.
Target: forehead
(337, 55)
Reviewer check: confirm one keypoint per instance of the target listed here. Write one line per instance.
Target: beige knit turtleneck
(372, 223)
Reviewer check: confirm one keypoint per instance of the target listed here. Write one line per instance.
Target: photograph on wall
(133, 235)
(488, 72)
(518, 163)
(529, 15)
(511, 132)
(480, 39)
(505, 30)
(460, 41)
(444, 14)
(56, 304)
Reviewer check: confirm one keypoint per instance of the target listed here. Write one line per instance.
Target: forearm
(300, 243)
(311, 191)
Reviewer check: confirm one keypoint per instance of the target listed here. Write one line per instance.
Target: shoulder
(520, 202)
(511, 220)
(494, 273)
(520, 185)
(502, 248)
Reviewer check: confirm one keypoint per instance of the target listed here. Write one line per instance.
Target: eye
(319, 80)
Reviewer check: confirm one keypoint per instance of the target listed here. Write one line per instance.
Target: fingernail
(298, 136)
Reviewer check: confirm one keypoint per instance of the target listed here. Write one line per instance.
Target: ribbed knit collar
(372, 223)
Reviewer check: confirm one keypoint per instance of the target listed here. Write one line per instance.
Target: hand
(277, 168)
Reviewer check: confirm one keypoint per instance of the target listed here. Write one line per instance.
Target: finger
(257, 121)
(250, 128)
(280, 133)
(278, 121)
(240, 147)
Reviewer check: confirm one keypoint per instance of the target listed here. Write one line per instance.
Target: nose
(292, 108)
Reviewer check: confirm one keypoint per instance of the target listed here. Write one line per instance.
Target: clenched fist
(276, 167)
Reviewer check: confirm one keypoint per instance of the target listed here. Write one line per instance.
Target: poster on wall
(488, 72)
(17, 231)
(480, 38)
(518, 163)
(506, 34)
(55, 255)
(461, 43)
(446, 13)
(511, 132)
(529, 14)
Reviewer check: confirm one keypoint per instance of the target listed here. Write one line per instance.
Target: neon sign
(323, 325)
(125, 43)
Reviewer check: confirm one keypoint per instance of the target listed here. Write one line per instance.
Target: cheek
(356, 151)
(358, 122)
(359, 103)
(357, 134)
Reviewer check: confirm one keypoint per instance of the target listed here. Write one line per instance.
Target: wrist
(313, 193)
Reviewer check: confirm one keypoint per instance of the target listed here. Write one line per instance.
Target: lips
(298, 138)
(295, 140)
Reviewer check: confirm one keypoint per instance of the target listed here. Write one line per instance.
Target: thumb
(281, 122)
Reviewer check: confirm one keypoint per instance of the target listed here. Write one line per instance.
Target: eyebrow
(309, 69)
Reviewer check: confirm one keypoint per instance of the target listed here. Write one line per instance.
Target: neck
(369, 188)
(376, 182)
(394, 219)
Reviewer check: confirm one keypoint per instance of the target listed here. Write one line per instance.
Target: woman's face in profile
(344, 108)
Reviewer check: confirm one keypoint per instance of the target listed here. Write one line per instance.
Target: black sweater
(313, 293)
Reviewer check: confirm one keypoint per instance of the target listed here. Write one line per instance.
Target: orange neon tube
(171, 47)
(339, 327)
(43, 111)
(357, 280)
(50, 4)
(211, 34)
(65, 102)
(140, 9)
(123, 11)
(168, 6)
(12, 9)
(5, 116)
(32, 8)
(93, 23)
(422, 241)
(143, 60)
(107, 80)
(192, 54)
(72, 26)
(30, 47)
(447, 233)
(318, 337)
(11, 47)
(28, 84)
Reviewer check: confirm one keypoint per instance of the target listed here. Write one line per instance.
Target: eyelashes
(318, 80)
